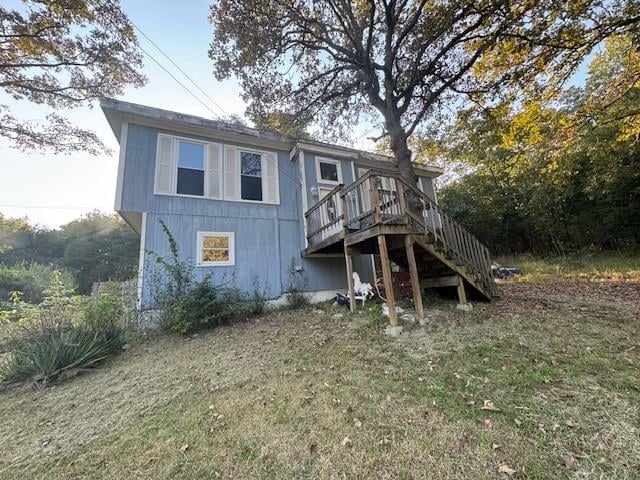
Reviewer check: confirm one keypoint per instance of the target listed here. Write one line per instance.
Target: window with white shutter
(214, 171)
(186, 167)
(164, 183)
(270, 179)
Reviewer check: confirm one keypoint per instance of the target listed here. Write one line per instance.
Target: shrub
(65, 334)
(189, 305)
(29, 279)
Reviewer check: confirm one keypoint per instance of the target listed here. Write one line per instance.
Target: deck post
(388, 282)
(415, 279)
(352, 293)
(462, 296)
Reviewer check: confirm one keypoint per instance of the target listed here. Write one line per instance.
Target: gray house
(249, 206)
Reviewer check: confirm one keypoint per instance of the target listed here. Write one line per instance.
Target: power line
(47, 207)
(114, 7)
(110, 4)
(178, 67)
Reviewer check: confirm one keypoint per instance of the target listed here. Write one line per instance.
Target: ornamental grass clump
(59, 338)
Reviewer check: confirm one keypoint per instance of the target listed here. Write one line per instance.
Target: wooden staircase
(382, 214)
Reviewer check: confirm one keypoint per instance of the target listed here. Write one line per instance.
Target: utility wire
(178, 67)
(47, 207)
(111, 5)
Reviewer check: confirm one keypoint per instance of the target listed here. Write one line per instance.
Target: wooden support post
(415, 280)
(462, 295)
(388, 282)
(352, 293)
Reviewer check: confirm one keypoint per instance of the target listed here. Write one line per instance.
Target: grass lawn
(611, 266)
(544, 383)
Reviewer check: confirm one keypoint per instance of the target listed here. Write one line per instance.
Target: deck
(382, 214)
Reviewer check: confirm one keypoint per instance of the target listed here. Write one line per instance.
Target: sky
(52, 189)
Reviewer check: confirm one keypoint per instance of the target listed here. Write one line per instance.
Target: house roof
(117, 112)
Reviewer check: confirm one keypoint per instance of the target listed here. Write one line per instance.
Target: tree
(553, 176)
(63, 54)
(336, 61)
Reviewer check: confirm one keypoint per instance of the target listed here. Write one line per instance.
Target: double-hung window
(198, 168)
(190, 168)
(250, 176)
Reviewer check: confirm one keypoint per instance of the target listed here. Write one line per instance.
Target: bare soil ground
(543, 383)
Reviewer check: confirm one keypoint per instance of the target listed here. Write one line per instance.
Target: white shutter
(214, 171)
(270, 179)
(164, 183)
(231, 173)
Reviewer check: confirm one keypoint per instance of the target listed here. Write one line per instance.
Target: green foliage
(189, 305)
(100, 248)
(65, 334)
(30, 280)
(63, 54)
(94, 248)
(553, 179)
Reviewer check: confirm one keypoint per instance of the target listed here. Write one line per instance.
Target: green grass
(279, 397)
(621, 266)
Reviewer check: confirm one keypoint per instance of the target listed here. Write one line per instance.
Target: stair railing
(381, 196)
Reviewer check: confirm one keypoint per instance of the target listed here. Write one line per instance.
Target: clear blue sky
(54, 189)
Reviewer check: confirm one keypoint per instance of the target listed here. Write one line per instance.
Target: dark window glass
(251, 164)
(190, 181)
(251, 187)
(329, 171)
(251, 176)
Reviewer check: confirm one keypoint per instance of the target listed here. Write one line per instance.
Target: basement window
(216, 249)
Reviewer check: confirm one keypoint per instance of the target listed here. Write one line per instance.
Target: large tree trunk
(402, 155)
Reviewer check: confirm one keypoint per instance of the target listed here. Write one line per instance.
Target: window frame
(200, 244)
(240, 151)
(177, 167)
(332, 161)
(264, 155)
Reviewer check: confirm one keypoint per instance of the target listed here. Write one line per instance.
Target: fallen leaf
(495, 446)
(506, 469)
(488, 405)
(346, 442)
(313, 448)
(488, 423)
(569, 423)
(184, 448)
(220, 417)
(517, 421)
(357, 423)
(264, 451)
(569, 461)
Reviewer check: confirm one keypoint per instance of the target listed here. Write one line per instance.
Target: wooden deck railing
(385, 197)
(325, 216)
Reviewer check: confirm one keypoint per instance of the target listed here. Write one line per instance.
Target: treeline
(93, 248)
(555, 175)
